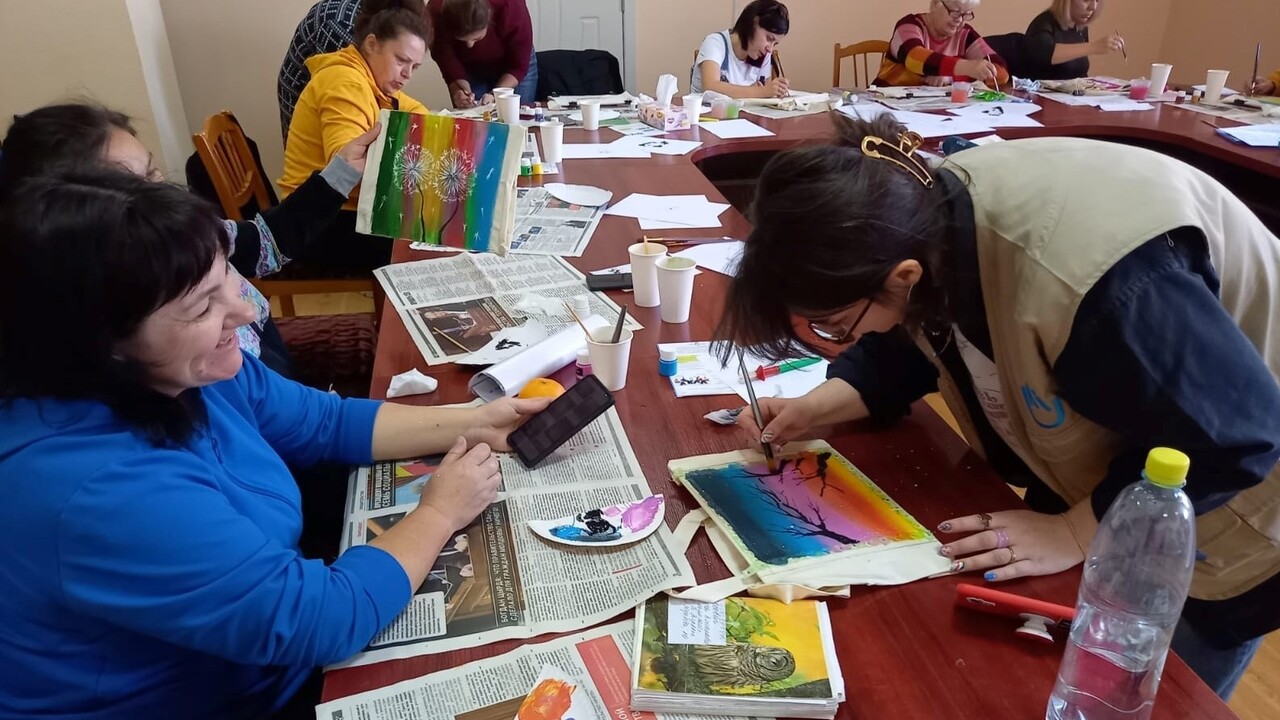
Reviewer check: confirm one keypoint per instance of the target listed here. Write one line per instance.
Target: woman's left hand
(1012, 544)
(496, 420)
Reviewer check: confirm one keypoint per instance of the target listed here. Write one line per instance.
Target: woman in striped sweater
(941, 43)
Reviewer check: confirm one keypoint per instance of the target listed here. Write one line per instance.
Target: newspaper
(496, 580)
(546, 225)
(493, 689)
(456, 306)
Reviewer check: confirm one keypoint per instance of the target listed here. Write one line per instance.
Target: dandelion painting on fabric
(442, 181)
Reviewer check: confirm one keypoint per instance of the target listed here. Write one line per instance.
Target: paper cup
(693, 107)
(1213, 84)
(675, 288)
(1159, 79)
(509, 109)
(503, 92)
(609, 360)
(552, 140)
(644, 273)
(590, 115)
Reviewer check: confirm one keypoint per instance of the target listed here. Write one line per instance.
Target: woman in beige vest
(1076, 304)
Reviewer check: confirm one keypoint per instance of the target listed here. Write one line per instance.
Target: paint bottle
(538, 114)
(526, 167)
(581, 306)
(582, 367)
(667, 363)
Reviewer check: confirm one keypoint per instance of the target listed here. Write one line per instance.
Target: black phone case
(620, 281)
(565, 417)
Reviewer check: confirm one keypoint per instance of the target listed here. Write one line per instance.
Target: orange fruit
(540, 388)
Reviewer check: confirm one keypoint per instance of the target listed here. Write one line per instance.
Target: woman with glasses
(1077, 303)
(941, 43)
(1056, 45)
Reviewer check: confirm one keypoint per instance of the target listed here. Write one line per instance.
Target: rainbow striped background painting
(442, 181)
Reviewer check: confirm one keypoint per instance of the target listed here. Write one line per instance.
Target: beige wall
(55, 50)
(1222, 35)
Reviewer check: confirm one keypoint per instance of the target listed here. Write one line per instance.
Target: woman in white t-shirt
(738, 62)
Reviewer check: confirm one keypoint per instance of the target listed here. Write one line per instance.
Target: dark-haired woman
(483, 45)
(83, 135)
(327, 27)
(739, 62)
(347, 91)
(144, 463)
(1077, 303)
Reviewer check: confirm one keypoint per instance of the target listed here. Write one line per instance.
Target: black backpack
(578, 72)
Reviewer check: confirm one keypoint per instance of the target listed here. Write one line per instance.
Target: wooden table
(905, 651)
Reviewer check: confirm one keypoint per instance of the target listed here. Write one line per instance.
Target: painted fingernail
(945, 527)
(957, 566)
(944, 550)
(989, 577)
(766, 437)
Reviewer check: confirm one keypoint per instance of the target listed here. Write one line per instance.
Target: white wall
(152, 41)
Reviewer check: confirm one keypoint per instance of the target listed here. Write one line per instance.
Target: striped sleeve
(976, 48)
(909, 47)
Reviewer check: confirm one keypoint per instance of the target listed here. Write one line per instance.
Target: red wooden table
(905, 652)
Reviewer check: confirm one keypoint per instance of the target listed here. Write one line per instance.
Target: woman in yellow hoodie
(346, 92)
(1269, 85)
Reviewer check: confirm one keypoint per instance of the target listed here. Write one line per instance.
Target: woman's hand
(1013, 544)
(777, 87)
(488, 99)
(460, 93)
(356, 152)
(1109, 44)
(784, 420)
(983, 70)
(464, 484)
(1263, 86)
(496, 420)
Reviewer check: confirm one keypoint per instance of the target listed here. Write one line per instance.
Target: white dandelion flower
(452, 174)
(412, 168)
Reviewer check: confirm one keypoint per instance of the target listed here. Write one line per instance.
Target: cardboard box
(664, 118)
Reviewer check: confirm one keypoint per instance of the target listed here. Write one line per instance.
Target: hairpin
(908, 143)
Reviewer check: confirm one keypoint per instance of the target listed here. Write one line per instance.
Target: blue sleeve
(888, 371)
(1154, 357)
(305, 425)
(150, 544)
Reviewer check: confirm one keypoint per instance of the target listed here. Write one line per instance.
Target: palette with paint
(605, 527)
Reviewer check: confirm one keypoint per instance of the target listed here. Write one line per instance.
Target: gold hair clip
(908, 143)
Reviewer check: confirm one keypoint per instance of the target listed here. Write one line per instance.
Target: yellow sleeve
(1275, 80)
(409, 104)
(345, 113)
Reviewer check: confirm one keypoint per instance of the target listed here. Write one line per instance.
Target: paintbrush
(449, 337)
(1257, 58)
(681, 242)
(647, 249)
(617, 329)
(577, 319)
(755, 410)
(1122, 50)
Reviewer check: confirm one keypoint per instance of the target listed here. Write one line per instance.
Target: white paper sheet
(1254, 135)
(731, 129)
(666, 212)
(635, 128)
(718, 257)
(1129, 106)
(996, 109)
(694, 220)
(934, 126)
(588, 195)
(657, 145)
(598, 151)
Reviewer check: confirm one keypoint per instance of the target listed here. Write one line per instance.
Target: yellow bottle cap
(1167, 467)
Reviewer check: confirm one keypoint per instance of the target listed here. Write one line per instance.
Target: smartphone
(616, 281)
(565, 417)
(988, 600)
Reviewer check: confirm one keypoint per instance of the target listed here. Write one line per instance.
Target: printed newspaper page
(459, 305)
(546, 225)
(497, 580)
(598, 661)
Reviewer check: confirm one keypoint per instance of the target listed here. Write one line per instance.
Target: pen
(755, 410)
(764, 373)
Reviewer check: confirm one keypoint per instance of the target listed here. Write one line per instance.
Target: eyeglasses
(821, 329)
(955, 15)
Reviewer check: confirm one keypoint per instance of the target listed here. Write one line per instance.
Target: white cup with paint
(644, 272)
(675, 287)
(610, 360)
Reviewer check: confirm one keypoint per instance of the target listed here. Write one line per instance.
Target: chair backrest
(860, 52)
(225, 154)
(1009, 48)
(578, 72)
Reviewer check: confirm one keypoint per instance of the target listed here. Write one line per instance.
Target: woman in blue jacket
(154, 570)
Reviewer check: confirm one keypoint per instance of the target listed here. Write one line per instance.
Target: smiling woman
(941, 43)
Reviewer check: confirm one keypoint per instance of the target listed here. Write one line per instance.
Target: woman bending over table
(1142, 316)
(1056, 45)
(940, 43)
(739, 62)
(483, 45)
(158, 573)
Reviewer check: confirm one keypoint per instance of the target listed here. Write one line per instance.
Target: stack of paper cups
(509, 109)
(693, 107)
(610, 360)
(552, 140)
(590, 114)
(1159, 79)
(675, 288)
(1213, 84)
(644, 272)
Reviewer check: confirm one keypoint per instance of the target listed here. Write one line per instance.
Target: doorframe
(629, 50)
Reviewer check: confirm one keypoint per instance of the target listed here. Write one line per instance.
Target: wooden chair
(225, 154)
(858, 51)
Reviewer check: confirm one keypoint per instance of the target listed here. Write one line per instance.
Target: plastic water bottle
(1136, 579)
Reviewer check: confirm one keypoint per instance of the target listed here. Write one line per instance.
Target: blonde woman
(1057, 45)
(941, 43)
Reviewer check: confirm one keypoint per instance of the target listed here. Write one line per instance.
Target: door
(580, 25)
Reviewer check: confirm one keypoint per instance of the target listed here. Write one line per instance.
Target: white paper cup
(1213, 84)
(590, 114)
(693, 107)
(609, 360)
(644, 273)
(675, 287)
(509, 109)
(1159, 79)
(552, 140)
(503, 92)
